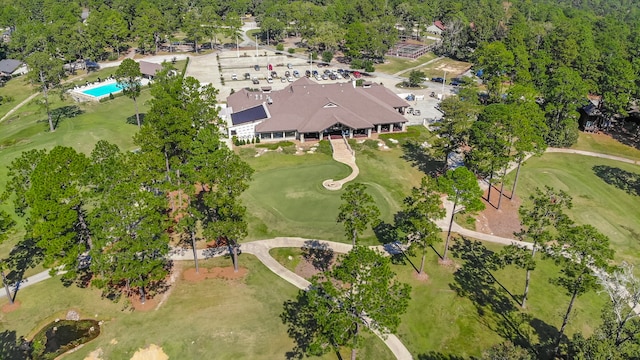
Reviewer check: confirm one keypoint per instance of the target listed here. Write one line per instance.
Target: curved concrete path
(342, 153)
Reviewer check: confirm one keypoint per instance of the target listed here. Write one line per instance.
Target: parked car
(317, 76)
(247, 76)
(438, 80)
(338, 75)
(416, 112)
(456, 82)
(283, 79)
(287, 73)
(314, 73)
(357, 75)
(340, 71)
(332, 76)
(307, 73)
(274, 74)
(234, 77)
(289, 66)
(296, 73)
(346, 75)
(327, 72)
(409, 110)
(256, 67)
(255, 80)
(290, 79)
(269, 79)
(325, 77)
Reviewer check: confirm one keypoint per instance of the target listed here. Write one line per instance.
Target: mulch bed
(9, 307)
(503, 222)
(226, 273)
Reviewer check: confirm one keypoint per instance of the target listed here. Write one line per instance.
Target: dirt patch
(153, 352)
(148, 305)
(176, 269)
(503, 222)
(9, 307)
(313, 263)
(226, 273)
(424, 277)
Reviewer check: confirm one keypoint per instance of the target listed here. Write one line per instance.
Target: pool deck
(78, 95)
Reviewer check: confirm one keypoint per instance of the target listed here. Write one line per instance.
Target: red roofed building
(309, 110)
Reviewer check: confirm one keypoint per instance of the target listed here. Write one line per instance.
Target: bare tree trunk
(195, 251)
(527, 280)
(84, 227)
(355, 336)
(354, 237)
(143, 295)
(446, 243)
(490, 185)
(45, 92)
(135, 101)
(502, 185)
(566, 320)
(515, 181)
(424, 255)
(234, 251)
(6, 286)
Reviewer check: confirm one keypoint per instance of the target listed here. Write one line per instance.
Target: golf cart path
(342, 153)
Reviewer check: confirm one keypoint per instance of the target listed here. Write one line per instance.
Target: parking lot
(205, 68)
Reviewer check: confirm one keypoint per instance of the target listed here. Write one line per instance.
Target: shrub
(274, 146)
(111, 97)
(368, 66)
(280, 47)
(113, 57)
(356, 64)
(314, 55)
(257, 140)
(327, 56)
(291, 51)
(359, 82)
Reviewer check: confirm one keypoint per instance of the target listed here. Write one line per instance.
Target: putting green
(292, 201)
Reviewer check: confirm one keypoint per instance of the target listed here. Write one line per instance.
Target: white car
(290, 79)
(270, 80)
(234, 76)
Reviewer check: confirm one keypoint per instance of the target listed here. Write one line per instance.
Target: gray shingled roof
(148, 68)
(307, 106)
(8, 66)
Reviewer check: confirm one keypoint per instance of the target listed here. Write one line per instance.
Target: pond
(59, 337)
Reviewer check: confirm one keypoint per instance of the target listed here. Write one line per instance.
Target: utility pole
(256, 45)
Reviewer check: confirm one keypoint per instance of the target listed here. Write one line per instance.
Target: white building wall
(244, 131)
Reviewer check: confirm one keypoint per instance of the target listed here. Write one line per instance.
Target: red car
(357, 75)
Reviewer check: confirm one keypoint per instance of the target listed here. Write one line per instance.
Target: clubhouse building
(307, 110)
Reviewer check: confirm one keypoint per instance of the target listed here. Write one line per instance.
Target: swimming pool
(103, 90)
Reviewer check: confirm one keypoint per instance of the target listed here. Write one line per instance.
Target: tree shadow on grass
(301, 323)
(24, 255)
(319, 254)
(134, 121)
(622, 179)
(421, 159)
(497, 308)
(61, 113)
(12, 347)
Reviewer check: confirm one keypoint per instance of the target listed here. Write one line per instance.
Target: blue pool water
(103, 90)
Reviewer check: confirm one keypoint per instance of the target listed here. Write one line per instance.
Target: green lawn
(18, 89)
(394, 65)
(286, 196)
(440, 321)
(611, 209)
(214, 318)
(604, 144)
